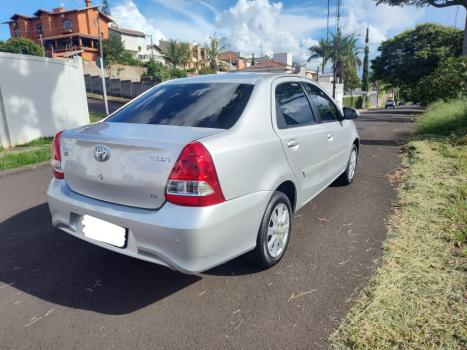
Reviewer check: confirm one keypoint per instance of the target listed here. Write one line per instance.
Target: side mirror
(351, 113)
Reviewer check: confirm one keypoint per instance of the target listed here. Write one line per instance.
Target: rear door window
(327, 110)
(205, 105)
(292, 107)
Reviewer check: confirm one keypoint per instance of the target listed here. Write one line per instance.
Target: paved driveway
(59, 292)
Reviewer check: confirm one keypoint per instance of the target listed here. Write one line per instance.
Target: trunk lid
(125, 163)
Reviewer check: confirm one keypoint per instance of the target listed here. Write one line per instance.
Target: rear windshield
(215, 105)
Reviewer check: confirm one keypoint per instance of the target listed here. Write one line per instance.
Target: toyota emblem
(101, 153)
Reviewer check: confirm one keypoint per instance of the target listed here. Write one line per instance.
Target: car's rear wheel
(274, 232)
(348, 175)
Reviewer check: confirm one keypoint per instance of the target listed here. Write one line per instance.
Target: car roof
(239, 78)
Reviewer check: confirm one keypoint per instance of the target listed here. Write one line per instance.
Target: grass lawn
(10, 160)
(416, 300)
(33, 152)
(95, 117)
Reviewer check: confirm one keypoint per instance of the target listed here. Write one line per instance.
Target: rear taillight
(56, 160)
(193, 180)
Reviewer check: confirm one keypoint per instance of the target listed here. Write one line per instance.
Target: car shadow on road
(48, 264)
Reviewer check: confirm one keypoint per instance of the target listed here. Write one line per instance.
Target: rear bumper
(187, 239)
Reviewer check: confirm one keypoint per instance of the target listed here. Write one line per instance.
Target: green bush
(207, 70)
(353, 101)
(177, 73)
(444, 118)
(156, 71)
(448, 81)
(22, 46)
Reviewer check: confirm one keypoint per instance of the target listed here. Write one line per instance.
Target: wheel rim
(352, 164)
(278, 230)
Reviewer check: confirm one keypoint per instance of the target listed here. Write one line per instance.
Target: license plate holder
(104, 231)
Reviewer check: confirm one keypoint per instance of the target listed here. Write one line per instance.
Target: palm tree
(213, 50)
(184, 53)
(172, 53)
(346, 54)
(176, 53)
(323, 50)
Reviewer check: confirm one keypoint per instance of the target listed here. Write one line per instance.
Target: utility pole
(327, 25)
(336, 49)
(101, 60)
(152, 47)
(42, 44)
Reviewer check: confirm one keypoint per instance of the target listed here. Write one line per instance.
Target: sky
(259, 26)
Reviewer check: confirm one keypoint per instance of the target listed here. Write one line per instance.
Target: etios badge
(101, 153)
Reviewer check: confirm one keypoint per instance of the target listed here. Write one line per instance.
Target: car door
(302, 138)
(337, 130)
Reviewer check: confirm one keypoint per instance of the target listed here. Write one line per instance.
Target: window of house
(327, 110)
(39, 30)
(292, 107)
(67, 24)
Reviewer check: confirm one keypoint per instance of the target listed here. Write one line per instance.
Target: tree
(253, 62)
(365, 74)
(105, 7)
(213, 50)
(176, 53)
(112, 48)
(184, 53)
(434, 3)
(323, 50)
(351, 80)
(415, 54)
(22, 46)
(114, 52)
(346, 55)
(448, 81)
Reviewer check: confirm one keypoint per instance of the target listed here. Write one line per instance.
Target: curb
(121, 100)
(24, 168)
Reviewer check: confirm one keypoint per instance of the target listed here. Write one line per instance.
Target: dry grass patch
(416, 299)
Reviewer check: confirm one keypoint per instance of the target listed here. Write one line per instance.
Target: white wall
(133, 43)
(339, 91)
(284, 57)
(39, 97)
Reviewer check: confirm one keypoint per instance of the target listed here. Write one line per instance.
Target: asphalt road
(58, 292)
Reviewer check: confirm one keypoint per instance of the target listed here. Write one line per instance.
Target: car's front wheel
(274, 232)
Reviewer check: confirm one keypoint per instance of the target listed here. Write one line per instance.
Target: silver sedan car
(197, 171)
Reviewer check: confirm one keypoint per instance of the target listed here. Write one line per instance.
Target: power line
(455, 18)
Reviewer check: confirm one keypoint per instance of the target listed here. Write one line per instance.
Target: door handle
(293, 144)
(330, 136)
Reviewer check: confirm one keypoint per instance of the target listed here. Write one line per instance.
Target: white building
(137, 43)
(283, 57)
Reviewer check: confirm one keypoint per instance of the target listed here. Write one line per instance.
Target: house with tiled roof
(234, 60)
(62, 32)
(137, 43)
(269, 65)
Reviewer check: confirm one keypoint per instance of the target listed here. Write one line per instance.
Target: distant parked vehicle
(390, 103)
(198, 171)
(401, 103)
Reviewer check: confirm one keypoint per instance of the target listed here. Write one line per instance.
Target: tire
(349, 174)
(272, 241)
